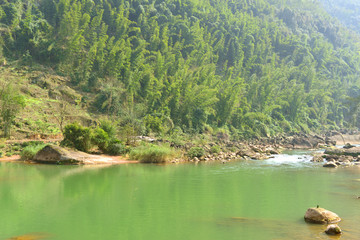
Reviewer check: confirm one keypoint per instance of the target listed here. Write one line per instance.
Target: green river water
(237, 200)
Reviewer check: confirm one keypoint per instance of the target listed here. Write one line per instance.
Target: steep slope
(249, 67)
(347, 11)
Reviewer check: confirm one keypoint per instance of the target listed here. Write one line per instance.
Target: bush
(101, 139)
(152, 154)
(78, 137)
(196, 152)
(116, 148)
(109, 128)
(215, 149)
(29, 152)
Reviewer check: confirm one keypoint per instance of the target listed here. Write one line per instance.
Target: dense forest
(347, 11)
(246, 67)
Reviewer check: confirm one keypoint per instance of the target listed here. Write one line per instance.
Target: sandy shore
(100, 159)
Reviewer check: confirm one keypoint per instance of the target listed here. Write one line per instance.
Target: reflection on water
(238, 200)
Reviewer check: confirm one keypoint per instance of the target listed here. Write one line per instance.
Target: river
(237, 200)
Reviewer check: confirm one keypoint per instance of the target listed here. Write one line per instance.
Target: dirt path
(97, 160)
(10, 159)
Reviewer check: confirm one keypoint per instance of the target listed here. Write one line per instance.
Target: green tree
(12, 102)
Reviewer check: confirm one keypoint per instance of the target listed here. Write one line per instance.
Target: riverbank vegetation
(176, 69)
(29, 152)
(153, 153)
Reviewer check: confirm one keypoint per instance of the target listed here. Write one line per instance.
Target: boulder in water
(330, 165)
(321, 216)
(348, 146)
(317, 158)
(333, 229)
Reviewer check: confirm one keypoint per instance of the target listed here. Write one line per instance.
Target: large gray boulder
(321, 216)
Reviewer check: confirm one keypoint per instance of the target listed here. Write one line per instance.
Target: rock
(317, 158)
(330, 165)
(196, 159)
(303, 141)
(53, 154)
(346, 159)
(333, 229)
(346, 163)
(348, 146)
(321, 216)
(354, 152)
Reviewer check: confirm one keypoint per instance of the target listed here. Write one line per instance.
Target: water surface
(238, 200)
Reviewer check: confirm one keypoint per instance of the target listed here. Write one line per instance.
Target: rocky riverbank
(349, 155)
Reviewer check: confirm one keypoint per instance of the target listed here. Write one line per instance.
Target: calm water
(239, 200)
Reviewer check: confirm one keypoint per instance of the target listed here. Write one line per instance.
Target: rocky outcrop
(333, 229)
(354, 152)
(53, 154)
(321, 216)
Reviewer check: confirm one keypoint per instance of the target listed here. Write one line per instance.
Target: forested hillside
(347, 11)
(248, 67)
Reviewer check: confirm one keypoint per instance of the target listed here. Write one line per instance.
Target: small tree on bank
(11, 103)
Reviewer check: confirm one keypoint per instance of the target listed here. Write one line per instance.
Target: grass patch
(152, 154)
(29, 152)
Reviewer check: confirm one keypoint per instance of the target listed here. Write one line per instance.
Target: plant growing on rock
(196, 152)
(29, 152)
(215, 149)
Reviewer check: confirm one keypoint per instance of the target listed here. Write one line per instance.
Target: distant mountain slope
(347, 11)
(249, 67)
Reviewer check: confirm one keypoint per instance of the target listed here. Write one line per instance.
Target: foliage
(77, 137)
(215, 149)
(258, 67)
(11, 102)
(29, 152)
(152, 154)
(196, 152)
(116, 148)
(101, 139)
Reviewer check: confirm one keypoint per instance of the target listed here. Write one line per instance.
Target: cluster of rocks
(243, 152)
(322, 216)
(347, 156)
(222, 157)
(298, 141)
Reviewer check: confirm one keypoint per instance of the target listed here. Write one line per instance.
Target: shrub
(109, 128)
(196, 152)
(29, 152)
(152, 154)
(215, 149)
(116, 148)
(101, 139)
(78, 137)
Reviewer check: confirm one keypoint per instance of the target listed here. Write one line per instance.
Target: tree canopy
(254, 67)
